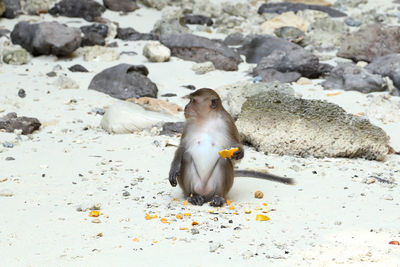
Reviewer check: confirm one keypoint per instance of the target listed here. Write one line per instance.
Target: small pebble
(10, 158)
(96, 220)
(51, 74)
(168, 95)
(8, 144)
(126, 194)
(352, 22)
(190, 87)
(6, 193)
(387, 197)
(194, 231)
(99, 111)
(21, 93)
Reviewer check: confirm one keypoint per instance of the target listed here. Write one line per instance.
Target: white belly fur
(204, 153)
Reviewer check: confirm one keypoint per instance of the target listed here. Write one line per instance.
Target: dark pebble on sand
(10, 158)
(21, 93)
(168, 95)
(190, 87)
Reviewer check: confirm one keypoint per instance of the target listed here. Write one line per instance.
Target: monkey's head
(203, 103)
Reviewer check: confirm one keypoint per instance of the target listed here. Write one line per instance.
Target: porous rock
(200, 49)
(94, 34)
(46, 38)
(12, 9)
(124, 81)
(278, 123)
(156, 52)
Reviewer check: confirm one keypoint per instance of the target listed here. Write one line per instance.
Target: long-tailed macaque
(201, 173)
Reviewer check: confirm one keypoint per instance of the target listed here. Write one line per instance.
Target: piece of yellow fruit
(94, 213)
(174, 238)
(228, 202)
(185, 202)
(149, 217)
(195, 223)
(247, 211)
(178, 216)
(135, 239)
(332, 94)
(231, 207)
(183, 228)
(163, 220)
(260, 217)
(187, 214)
(228, 153)
(264, 204)
(257, 208)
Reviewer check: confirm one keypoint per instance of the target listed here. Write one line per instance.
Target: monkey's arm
(176, 166)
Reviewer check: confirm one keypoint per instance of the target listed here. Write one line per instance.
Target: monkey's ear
(214, 103)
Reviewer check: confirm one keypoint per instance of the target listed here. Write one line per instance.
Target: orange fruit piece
(185, 202)
(149, 217)
(231, 207)
(94, 213)
(228, 153)
(163, 220)
(178, 216)
(228, 202)
(195, 223)
(260, 217)
(135, 239)
(394, 242)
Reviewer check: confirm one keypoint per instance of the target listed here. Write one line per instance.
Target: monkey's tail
(262, 175)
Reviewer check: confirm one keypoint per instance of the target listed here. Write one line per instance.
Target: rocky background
(91, 113)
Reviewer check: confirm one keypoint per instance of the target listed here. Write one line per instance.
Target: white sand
(327, 218)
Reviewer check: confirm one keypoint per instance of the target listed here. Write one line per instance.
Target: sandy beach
(341, 211)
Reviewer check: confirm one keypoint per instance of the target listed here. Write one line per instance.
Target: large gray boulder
(369, 42)
(348, 76)
(124, 81)
(388, 65)
(46, 38)
(277, 123)
(200, 49)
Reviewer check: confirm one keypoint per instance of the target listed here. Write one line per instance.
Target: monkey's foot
(217, 201)
(196, 199)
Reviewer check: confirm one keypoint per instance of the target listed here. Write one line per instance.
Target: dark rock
(46, 38)
(121, 5)
(291, 65)
(198, 19)
(10, 158)
(51, 74)
(124, 81)
(388, 65)
(172, 128)
(352, 22)
(113, 44)
(21, 93)
(200, 49)
(12, 122)
(370, 41)
(129, 53)
(78, 68)
(190, 87)
(280, 8)
(278, 123)
(13, 8)
(88, 9)
(168, 95)
(263, 45)
(236, 38)
(130, 34)
(348, 76)
(94, 34)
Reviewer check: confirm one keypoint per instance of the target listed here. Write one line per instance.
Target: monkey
(197, 167)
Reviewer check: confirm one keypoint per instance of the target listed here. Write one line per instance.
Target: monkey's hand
(239, 154)
(173, 173)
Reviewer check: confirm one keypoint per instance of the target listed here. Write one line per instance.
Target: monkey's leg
(220, 182)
